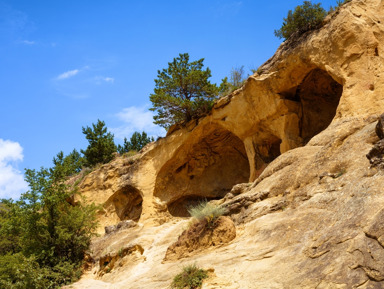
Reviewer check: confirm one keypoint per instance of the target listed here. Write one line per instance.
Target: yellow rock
(298, 132)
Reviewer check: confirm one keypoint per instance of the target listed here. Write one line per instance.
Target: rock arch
(206, 166)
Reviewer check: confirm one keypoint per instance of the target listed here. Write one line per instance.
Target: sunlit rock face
(296, 135)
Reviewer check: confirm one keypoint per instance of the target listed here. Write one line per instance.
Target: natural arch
(207, 166)
(126, 203)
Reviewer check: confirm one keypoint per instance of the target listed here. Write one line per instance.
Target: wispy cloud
(68, 74)
(102, 79)
(136, 119)
(28, 42)
(81, 82)
(12, 183)
(15, 25)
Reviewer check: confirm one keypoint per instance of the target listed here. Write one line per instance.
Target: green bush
(19, 272)
(305, 17)
(44, 237)
(191, 277)
(207, 211)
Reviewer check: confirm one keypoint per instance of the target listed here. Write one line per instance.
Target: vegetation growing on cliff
(182, 92)
(207, 211)
(101, 144)
(136, 142)
(339, 3)
(191, 277)
(305, 17)
(237, 78)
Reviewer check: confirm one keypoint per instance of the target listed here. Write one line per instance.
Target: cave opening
(318, 96)
(205, 168)
(266, 150)
(126, 203)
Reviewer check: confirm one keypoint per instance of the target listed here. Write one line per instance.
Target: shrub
(305, 17)
(44, 237)
(191, 277)
(207, 211)
(19, 272)
(339, 3)
(237, 79)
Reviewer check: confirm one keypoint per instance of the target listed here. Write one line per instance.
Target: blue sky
(65, 64)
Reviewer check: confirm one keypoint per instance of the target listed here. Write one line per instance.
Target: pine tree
(182, 92)
(101, 144)
(71, 164)
(136, 143)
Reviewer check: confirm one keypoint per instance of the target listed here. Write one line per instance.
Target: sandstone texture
(286, 155)
(201, 235)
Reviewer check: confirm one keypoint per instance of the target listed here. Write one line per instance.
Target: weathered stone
(313, 109)
(126, 224)
(380, 127)
(201, 235)
(376, 154)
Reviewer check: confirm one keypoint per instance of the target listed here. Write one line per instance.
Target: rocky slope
(310, 210)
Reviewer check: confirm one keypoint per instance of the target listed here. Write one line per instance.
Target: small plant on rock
(191, 277)
(207, 211)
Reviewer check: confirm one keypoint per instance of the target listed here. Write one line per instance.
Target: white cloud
(136, 119)
(68, 74)
(27, 42)
(12, 182)
(100, 79)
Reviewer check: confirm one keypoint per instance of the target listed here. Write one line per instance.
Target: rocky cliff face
(310, 212)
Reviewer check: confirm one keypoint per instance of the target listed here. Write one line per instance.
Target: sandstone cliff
(310, 212)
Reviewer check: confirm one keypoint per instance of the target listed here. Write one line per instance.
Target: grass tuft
(207, 211)
(191, 277)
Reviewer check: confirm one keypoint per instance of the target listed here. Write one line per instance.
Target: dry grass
(207, 211)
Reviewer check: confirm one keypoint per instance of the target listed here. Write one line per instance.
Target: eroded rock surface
(299, 133)
(200, 236)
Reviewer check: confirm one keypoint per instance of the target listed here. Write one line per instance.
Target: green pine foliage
(136, 143)
(44, 237)
(304, 18)
(191, 277)
(70, 165)
(101, 144)
(182, 92)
